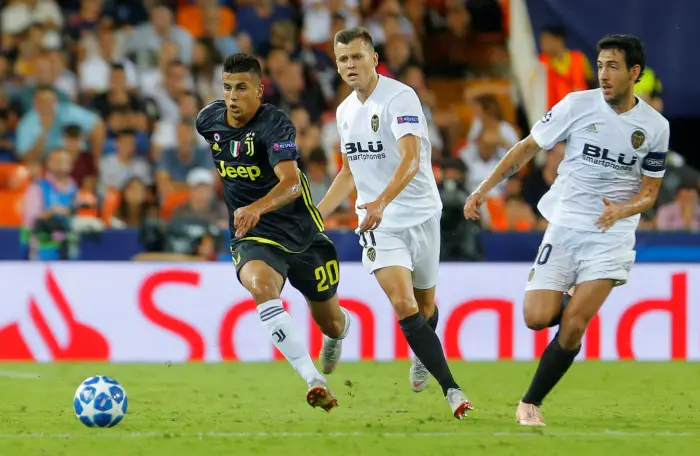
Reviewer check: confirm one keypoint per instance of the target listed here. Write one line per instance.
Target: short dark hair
(72, 131)
(318, 156)
(116, 66)
(630, 46)
(242, 63)
(348, 35)
(555, 30)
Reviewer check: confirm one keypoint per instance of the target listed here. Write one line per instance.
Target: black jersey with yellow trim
(245, 158)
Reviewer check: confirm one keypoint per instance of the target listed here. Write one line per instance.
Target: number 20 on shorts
(327, 275)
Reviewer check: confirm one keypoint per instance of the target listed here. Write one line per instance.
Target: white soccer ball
(100, 402)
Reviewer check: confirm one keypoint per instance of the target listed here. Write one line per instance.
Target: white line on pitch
(22, 375)
(276, 435)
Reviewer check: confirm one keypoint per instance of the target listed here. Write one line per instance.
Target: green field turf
(600, 409)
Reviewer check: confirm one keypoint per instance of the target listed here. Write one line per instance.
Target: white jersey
(606, 155)
(369, 135)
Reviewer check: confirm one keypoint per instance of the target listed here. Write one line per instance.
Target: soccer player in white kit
(386, 157)
(615, 160)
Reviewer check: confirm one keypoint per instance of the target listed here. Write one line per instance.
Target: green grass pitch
(599, 409)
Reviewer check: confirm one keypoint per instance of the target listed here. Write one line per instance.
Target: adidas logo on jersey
(591, 129)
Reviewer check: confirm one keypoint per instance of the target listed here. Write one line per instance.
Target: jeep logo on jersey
(238, 172)
(373, 150)
(602, 157)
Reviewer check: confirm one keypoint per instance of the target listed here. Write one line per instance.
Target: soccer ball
(100, 402)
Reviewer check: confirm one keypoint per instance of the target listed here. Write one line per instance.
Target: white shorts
(568, 257)
(416, 249)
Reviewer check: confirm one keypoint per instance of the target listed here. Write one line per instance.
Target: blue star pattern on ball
(100, 401)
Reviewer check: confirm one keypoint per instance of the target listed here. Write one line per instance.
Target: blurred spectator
(255, 19)
(650, 89)
(166, 94)
(85, 20)
(105, 68)
(412, 76)
(539, 180)
(284, 36)
(83, 163)
(481, 156)
(567, 70)
(19, 15)
(202, 204)
(165, 133)
(677, 172)
(318, 18)
(118, 168)
(459, 237)
(7, 138)
(175, 163)
(397, 56)
(291, 92)
(207, 69)
(489, 116)
(202, 17)
(134, 207)
(519, 215)
(48, 208)
(146, 40)
(45, 76)
(684, 213)
(117, 93)
(388, 9)
(317, 172)
(41, 129)
(225, 43)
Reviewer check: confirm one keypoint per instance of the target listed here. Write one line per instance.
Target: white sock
(287, 339)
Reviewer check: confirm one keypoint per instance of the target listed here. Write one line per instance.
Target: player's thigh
(424, 244)
(382, 249)
(541, 307)
(315, 272)
(555, 265)
(607, 255)
(261, 269)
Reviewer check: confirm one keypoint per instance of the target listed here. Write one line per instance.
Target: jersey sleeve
(203, 123)
(554, 126)
(280, 139)
(405, 112)
(654, 163)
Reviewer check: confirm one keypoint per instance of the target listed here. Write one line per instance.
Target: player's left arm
(653, 170)
(282, 154)
(405, 113)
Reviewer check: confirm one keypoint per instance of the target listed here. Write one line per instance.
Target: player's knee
(404, 305)
(536, 318)
(571, 331)
(263, 290)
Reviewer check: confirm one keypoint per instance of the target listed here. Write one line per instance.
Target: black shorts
(314, 272)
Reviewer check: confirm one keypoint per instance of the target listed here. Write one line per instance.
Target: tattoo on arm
(510, 171)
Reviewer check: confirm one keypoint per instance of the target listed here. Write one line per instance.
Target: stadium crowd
(98, 100)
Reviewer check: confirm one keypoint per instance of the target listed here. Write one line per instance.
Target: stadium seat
(11, 207)
(14, 176)
(171, 201)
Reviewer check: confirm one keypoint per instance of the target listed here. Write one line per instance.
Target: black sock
(564, 302)
(426, 346)
(433, 320)
(554, 363)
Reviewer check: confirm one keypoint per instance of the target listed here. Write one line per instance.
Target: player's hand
(473, 205)
(373, 217)
(244, 219)
(611, 214)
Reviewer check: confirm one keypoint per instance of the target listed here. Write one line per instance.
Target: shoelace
(420, 368)
(329, 351)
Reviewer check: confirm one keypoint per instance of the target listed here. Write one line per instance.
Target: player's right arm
(341, 188)
(545, 134)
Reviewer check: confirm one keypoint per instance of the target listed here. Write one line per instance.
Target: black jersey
(245, 158)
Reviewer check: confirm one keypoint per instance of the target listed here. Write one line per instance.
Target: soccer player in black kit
(277, 232)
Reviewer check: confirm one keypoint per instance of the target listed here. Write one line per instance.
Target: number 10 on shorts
(327, 275)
